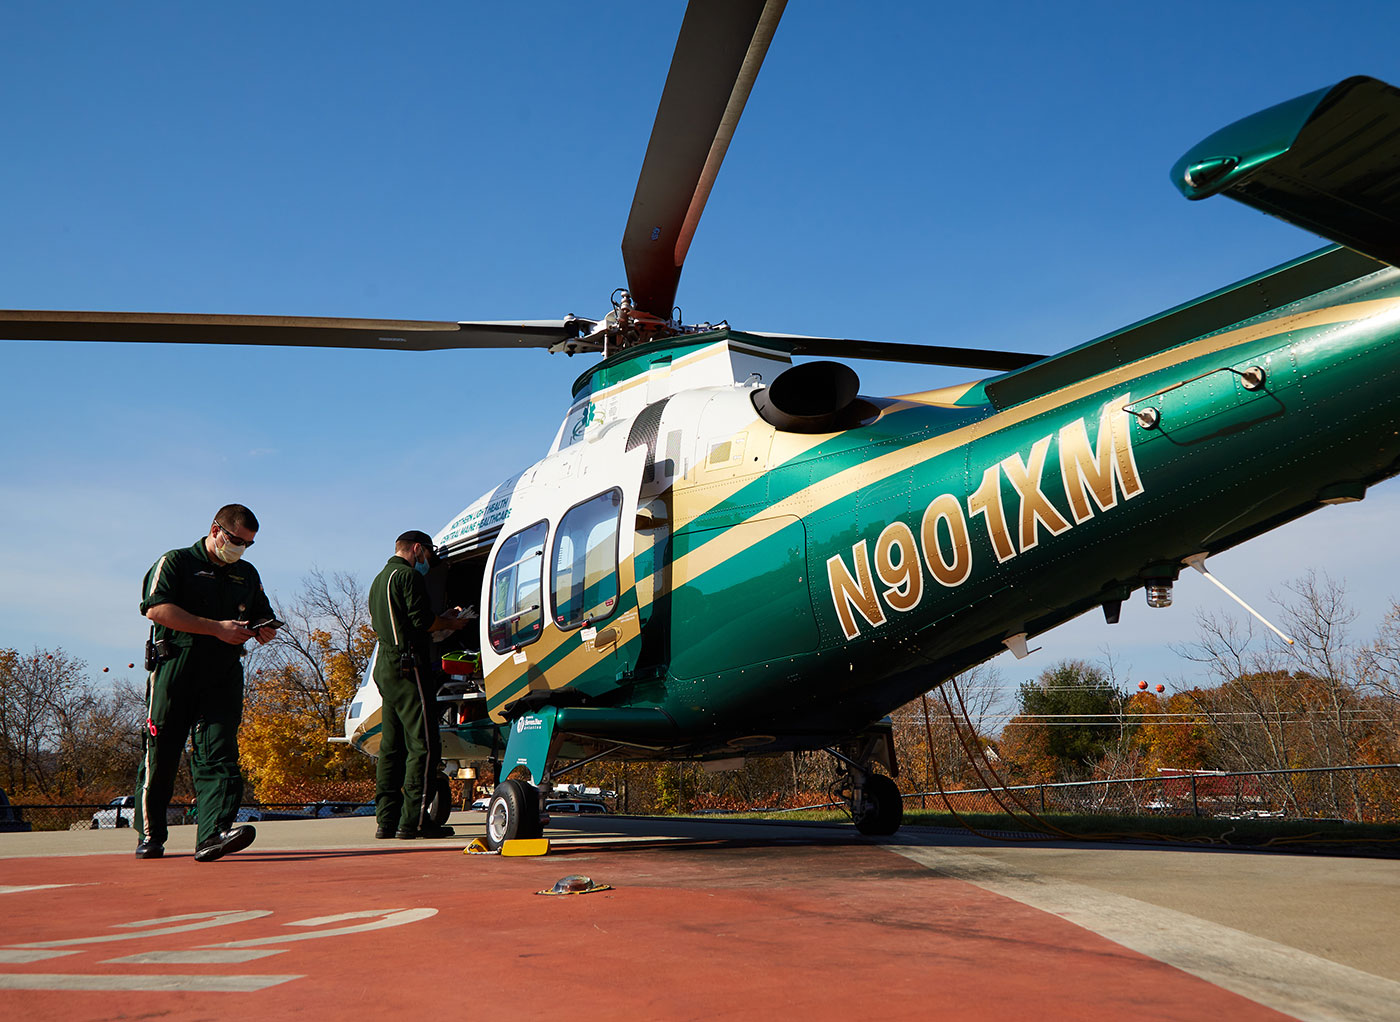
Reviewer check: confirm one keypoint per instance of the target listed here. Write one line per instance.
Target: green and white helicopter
(726, 554)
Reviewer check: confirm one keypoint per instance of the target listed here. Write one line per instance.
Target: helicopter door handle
(517, 615)
(607, 637)
(1251, 379)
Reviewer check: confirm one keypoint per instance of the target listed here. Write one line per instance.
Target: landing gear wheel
(440, 805)
(883, 809)
(514, 812)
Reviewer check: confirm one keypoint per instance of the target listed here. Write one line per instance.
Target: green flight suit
(199, 692)
(410, 746)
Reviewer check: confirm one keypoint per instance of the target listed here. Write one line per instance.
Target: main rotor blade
(718, 54)
(296, 331)
(891, 351)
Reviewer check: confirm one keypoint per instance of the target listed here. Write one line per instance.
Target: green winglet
(1328, 162)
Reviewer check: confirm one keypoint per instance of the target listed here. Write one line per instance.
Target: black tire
(440, 805)
(513, 813)
(884, 809)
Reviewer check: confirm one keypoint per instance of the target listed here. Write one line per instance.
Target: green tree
(1071, 716)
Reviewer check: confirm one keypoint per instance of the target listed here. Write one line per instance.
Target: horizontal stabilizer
(1328, 162)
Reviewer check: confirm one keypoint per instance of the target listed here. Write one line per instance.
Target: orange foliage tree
(300, 686)
(1025, 748)
(1171, 732)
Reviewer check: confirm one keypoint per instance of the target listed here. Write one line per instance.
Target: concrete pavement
(706, 919)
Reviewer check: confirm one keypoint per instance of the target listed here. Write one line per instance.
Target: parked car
(324, 810)
(480, 804)
(121, 813)
(578, 808)
(257, 814)
(10, 818)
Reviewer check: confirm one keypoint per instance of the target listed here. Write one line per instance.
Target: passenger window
(516, 594)
(584, 579)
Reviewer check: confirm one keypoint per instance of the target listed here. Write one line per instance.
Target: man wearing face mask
(204, 603)
(409, 744)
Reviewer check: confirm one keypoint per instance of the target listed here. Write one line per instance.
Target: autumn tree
(1069, 719)
(942, 736)
(1380, 682)
(1170, 733)
(61, 738)
(300, 685)
(1321, 702)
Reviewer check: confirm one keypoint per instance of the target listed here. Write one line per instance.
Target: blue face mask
(421, 567)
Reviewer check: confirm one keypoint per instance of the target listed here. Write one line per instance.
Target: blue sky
(992, 175)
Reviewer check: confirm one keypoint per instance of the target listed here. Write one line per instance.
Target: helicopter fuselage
(682, 578)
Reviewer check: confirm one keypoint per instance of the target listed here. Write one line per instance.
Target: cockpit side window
(517, 595)
(584, 577)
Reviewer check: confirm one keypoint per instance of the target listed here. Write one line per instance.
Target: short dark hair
(414, 536)
(236, 516)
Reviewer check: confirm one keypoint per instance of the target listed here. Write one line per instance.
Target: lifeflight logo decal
(1093, 477)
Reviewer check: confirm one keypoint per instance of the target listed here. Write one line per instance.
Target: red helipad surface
(691, 930)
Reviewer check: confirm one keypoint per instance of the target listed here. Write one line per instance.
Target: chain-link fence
(100, 816)
(1364, 794)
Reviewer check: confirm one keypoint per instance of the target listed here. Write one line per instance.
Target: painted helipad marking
(16, 956)
(200, 956)
(232, 952)
(202, 984)
(4, 889)
(1272, 974)
(383, 917)
(222, 918)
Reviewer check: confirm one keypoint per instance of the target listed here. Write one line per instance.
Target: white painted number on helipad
(228, 952)
(206, 920)
(382, 918)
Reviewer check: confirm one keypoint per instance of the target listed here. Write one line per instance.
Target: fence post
(1042, 797)
(1195, 804)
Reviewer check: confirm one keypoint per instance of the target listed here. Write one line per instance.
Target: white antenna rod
(1198, 561)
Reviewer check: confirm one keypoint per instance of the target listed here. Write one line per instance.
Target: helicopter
(726, 553)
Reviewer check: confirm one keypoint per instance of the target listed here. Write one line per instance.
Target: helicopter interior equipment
(725, 554)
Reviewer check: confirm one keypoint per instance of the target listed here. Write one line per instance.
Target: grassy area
(1251, 832)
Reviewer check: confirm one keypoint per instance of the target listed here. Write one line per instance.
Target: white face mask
(228, 552)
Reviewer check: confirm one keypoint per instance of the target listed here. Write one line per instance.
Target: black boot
(225, 842)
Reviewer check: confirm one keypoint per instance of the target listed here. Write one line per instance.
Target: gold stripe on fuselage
(827, 491)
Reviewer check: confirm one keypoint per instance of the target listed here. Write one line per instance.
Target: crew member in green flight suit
(409, 746)
(205, 602)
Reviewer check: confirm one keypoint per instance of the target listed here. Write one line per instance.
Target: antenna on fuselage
(1198, 561)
